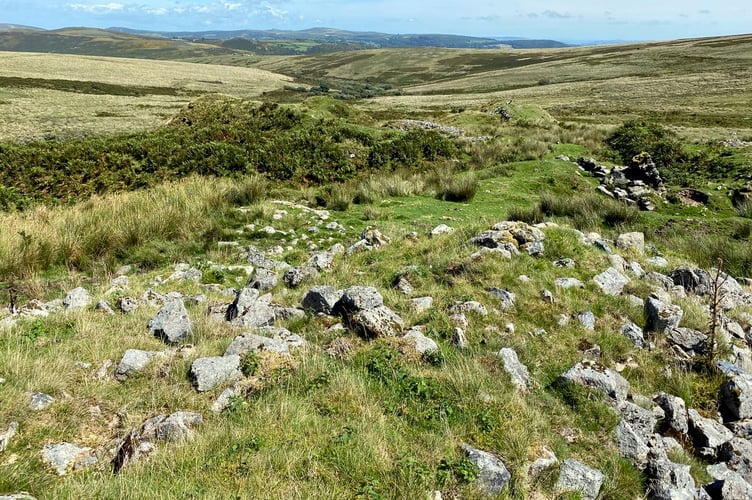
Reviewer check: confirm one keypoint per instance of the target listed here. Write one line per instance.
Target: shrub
(459, 188)
(635, 137)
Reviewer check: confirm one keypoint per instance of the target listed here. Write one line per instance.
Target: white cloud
(97, 8)
(232, 6)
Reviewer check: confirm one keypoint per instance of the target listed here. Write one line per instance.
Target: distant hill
(91, 41)
(367, 38)
(15, 27)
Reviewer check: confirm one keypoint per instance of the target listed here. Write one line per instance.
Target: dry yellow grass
(36, 113)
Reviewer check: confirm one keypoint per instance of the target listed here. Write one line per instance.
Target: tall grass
(109, 228)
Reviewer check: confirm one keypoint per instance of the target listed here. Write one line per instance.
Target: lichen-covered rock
(630, 444)
(660, 315)
(321, 299)
(171, 323)
(263, 279)
(611, 281)
(736, 398)
(377, 322)
(294, 276)
(675, 412)
(507, 299)
(208, 373)
(133, 361)
(358, 298)
(707, 434)
(631, 241)
(422, 343)
(65, 457)
(77, 299)
(634, 333)
(493, 475)
(737, 454)
(249, 342)
(576, 476)
(597, 376)
(667, 479)
(516, 370)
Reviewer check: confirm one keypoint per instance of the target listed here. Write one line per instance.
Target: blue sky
(570, 20)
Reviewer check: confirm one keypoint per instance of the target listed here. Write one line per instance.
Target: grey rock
(611, 281)
(208, 373)
(459, 340)
(546, 461)
(249, 342)
(422, 343)
(103, 306)
(595, 375)
(470, 306)
(223, 401)
(693, 280)
(171, 323)
(421, 304)
(737, 454)
(250, 309)
(736, 398)
(64, 457)
(534, 249)
(77, 299)
(263, 279)
(294, 276)
(104, 370)
(741, 428)
(40, 401)
(175, 428)
(631, 445)
(657, 261)
(634, 334)
(641, 421)
(566, 283)
(321, 299)
(567, 262)
(661, 280)
(547, 296)
(660, 315)
(17, 496)
(689, 340)
(576, 476)
(493, 475)
(441, 229)
(376, 322)
(494, 252)
(152, 298)
(675, 413)
(133, 361)
(669, 480)
(126, 304)
(602, 244)
(321, 261)
(506, 298)
(732, 487)
(587, 320)
(516, 370)
(707, 433)
(6, 436)
(631, 241)
(358, 298)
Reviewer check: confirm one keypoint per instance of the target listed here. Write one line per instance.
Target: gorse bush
(214, 136)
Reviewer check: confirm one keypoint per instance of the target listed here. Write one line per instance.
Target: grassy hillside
(198, 181)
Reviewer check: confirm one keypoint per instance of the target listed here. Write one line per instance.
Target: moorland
(156, 172)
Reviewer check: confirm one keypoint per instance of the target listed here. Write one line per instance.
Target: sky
(550, 19)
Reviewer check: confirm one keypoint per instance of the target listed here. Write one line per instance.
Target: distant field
(44, 95)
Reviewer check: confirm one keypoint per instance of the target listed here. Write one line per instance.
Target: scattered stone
(587, 320)
(595, 375)
(566, 283)
(40, 401)
(104, 370)
(321, 299)
(547, 296)
(675, 413)
(422, 343)
(603, 245)
(506, 298)
(459, 340)
(223, 401)
(631, 241)
(377, 322)
(174, 428)
(358, 298)
(133, 361)
(641, 421)
(294, 276)
(470, 306)
(249, 342)
(660, 315)
(611, 281)
(184, 272)
(657, 261)
(630, 444)
(17, 496)
(546, 461)
(493, 475)
(171, 323)
(421, 304)
(126, 304)
(263, 279)
(208, 373)
(562, 320)
(65, 457)
(634, 334)
(669, 480)
(707, 434)
(736, 398)
(6, 436)
(441, 229)
(737, 454)
(690, 341)
(576, 476)
(564, 263)
(250, 309)
(77, 299)
(516, 370)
